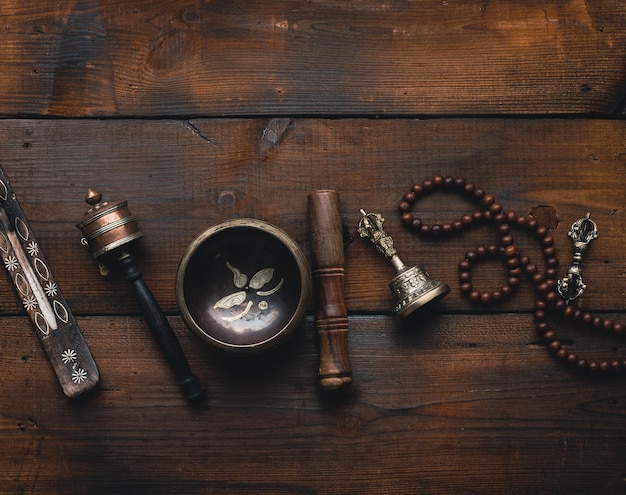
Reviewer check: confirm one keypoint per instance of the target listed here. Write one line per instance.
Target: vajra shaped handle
(582, 232)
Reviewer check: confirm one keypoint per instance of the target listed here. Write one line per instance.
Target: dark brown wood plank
(471, 407)
(152, 58)
(181, 177)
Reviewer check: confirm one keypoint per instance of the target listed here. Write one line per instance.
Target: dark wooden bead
(466, 288)
(532, 224)
(560, 305)
(464, 265)
(603, 366)
(497, 296)
(427, 186)
(507, 240)
(404, 206)
(578, 314)
(488, 199)
(554, 346)
(522, 220)
(495, 208)
(459, 182)
(572, 358)
(513, 263)
(598, 322)
(504, 229)
(512, 281)
(467, 219)
(551, 296)
(562, 353)
(479, 193)
(510, 251)
(593, 365)
(569, 311)
(549, 251)
(425, 230)
(550, 335)
(457, 225)
(539, 316)
(514, 272)
(541, 231)
(551, 273)
(449, 182)
(552, 262)
(474, 296)
(435, 230)
(493, 249)
(506, 290)
(477, 216)
(485, 298)
(511, 217)
(410, 197)
(417, 189)
(531, 269)
(416, 224)
(481, 251)
(607, 325)
(524, 260)
(537, 278)
(468, 188)
(470, 256)
(438, 180)
(582, 364)
(539, 304)
(615, 365)
(500, 218)
(587, 318)
(618, 327)
(446, 228)
(465, 277)
(543, 287)
(407, 218)
(547, 240)
(486, 215)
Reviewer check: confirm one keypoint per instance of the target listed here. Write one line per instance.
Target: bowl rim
(305, 283)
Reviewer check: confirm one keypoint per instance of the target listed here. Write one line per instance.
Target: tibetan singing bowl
(243, 286)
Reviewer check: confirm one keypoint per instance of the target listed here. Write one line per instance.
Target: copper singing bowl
(243, 286)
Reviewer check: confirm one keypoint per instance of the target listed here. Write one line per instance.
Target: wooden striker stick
(331, 316)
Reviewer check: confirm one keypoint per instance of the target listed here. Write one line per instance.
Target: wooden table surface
(201, 111)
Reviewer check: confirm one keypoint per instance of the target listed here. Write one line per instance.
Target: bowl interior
(242, 287)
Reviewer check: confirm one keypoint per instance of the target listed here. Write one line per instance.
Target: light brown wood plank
(151, 58)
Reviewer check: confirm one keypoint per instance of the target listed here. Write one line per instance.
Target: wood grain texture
(181, 177)
(153, 58)
(446, 408)
(202, 111)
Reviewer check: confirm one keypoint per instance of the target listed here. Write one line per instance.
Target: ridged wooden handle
(331, 316)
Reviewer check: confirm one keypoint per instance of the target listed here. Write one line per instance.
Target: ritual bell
(412, 286)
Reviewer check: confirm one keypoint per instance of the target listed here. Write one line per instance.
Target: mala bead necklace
(548, 289)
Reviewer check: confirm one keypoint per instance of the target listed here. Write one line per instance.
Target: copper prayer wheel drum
(107, 226)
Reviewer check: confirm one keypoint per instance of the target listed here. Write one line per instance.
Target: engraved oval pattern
(4, 243)
(42, 269)
(21, 228)
(4, 193)
(21, 284)
(61, 312)
(41, 323)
